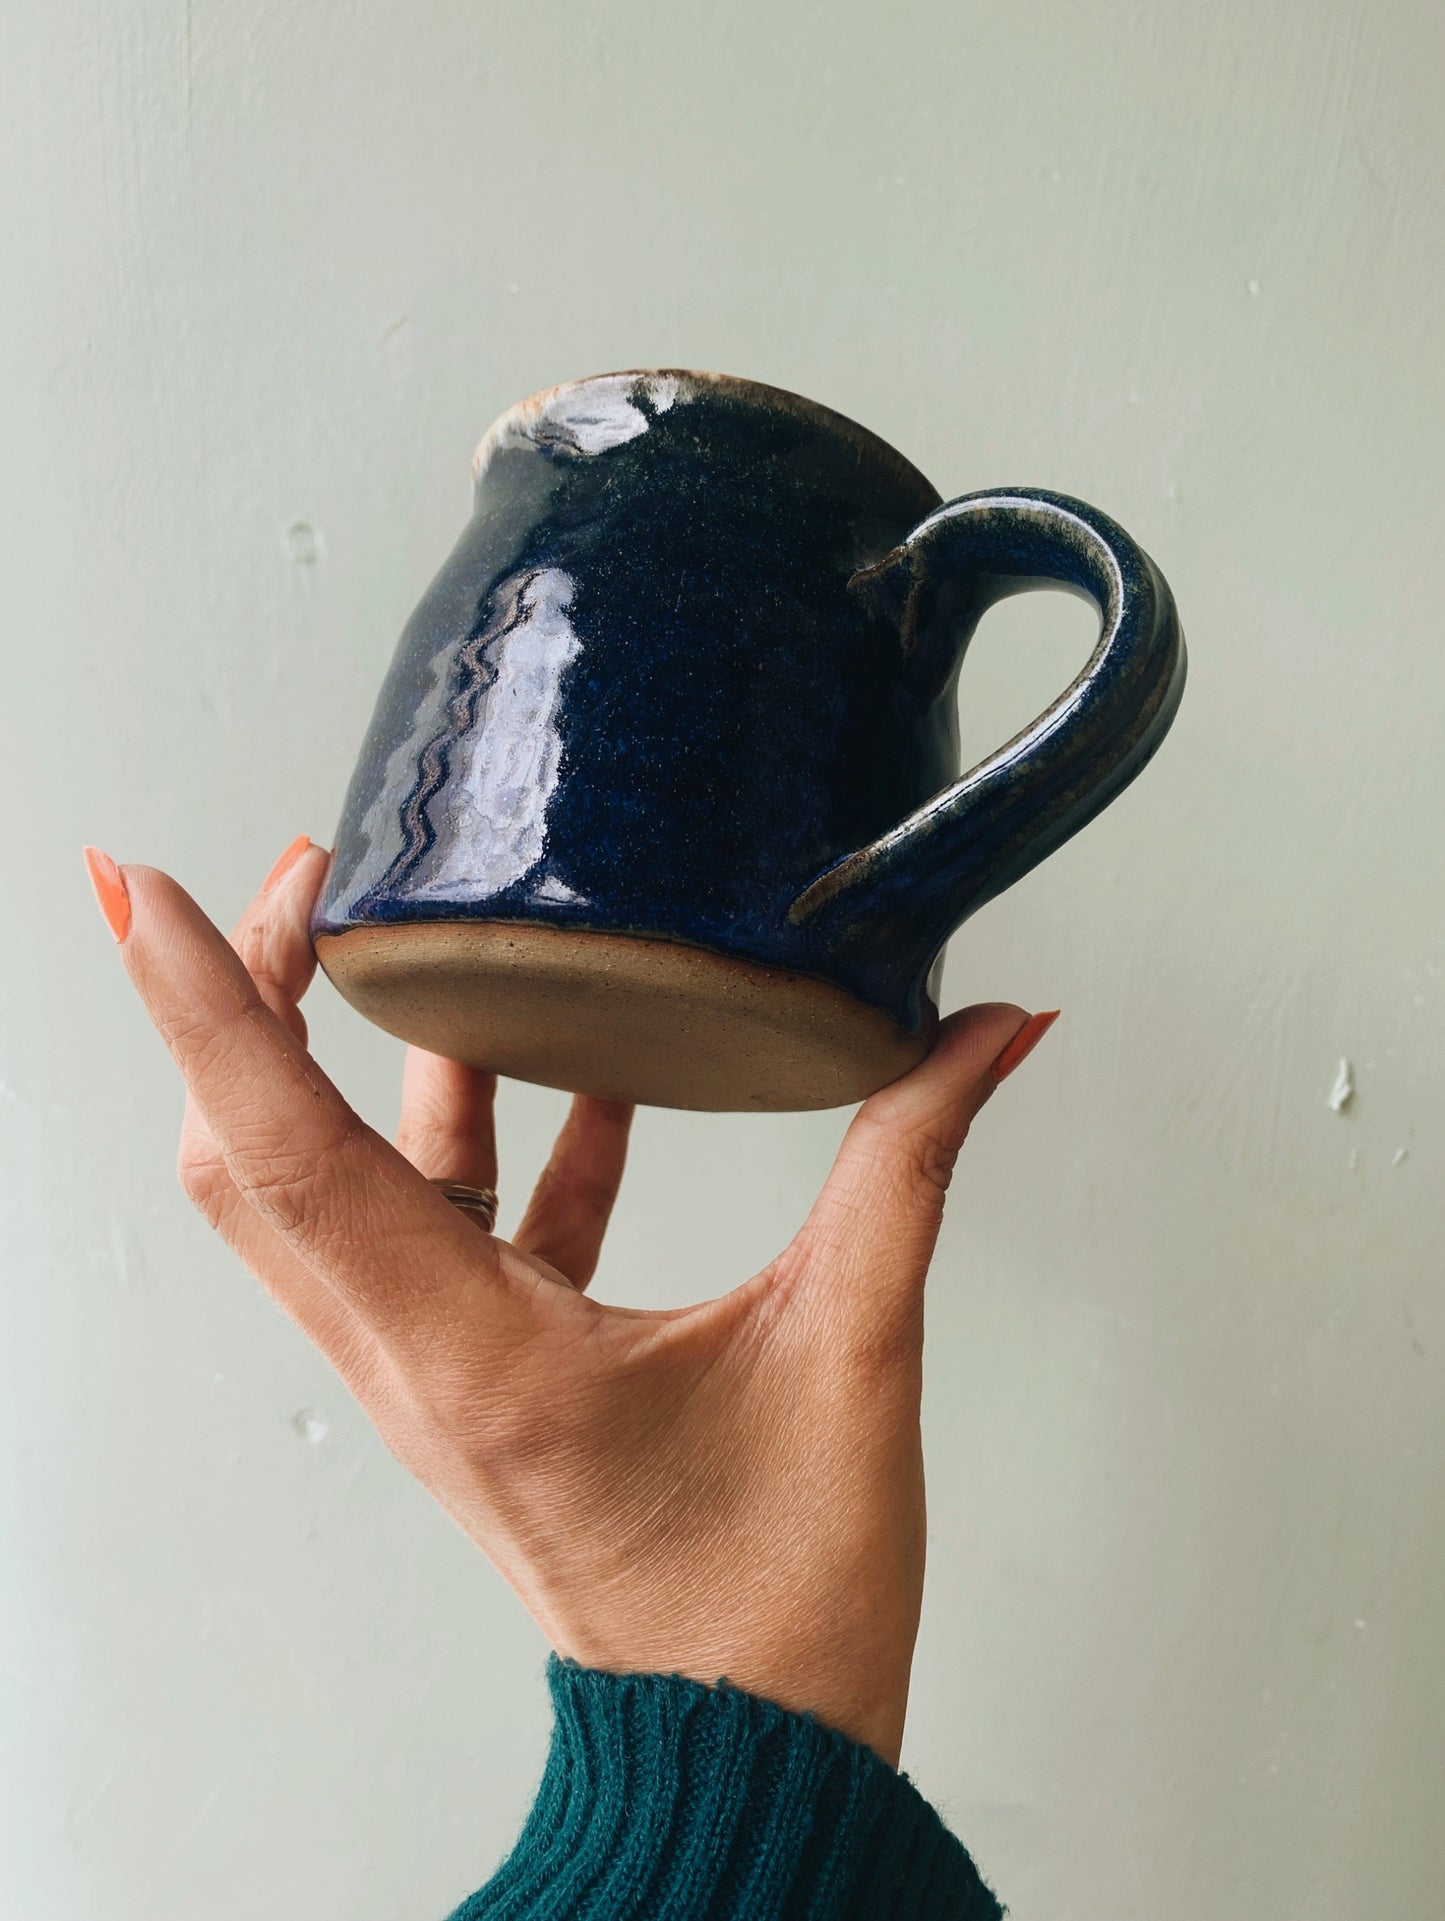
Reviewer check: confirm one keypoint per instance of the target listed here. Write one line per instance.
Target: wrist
(852, 1684)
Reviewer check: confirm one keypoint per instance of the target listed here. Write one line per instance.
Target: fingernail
(1022, 1044)
(110, 890)
(287, 861)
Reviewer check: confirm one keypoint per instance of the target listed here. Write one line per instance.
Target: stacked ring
(480, 1202)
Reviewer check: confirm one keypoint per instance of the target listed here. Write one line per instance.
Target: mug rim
(749, 392)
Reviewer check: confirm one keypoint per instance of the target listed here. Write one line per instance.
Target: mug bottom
(622, 1016)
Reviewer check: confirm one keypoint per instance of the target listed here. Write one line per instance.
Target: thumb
(871, 1233)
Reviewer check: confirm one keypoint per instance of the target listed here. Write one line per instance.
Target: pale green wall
(271, 263)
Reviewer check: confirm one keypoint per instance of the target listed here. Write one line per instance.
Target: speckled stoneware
(661, 799)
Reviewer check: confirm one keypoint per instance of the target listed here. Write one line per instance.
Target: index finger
(337, 1193)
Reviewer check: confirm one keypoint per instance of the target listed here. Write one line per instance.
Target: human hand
(730, 1489)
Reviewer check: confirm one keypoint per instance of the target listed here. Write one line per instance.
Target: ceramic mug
(662, 801)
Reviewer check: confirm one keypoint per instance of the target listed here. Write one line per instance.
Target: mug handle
(917, 883)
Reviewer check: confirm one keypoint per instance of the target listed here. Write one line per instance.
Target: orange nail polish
(1023, 1044)
(287, 861)
(110, 890)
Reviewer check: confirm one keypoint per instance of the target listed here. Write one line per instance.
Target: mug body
(637, 712)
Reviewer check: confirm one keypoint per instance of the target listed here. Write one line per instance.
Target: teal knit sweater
(663, 1800)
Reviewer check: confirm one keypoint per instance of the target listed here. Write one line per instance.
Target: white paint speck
(1361, 1623)
(1343, 1091)
(1399, 1157)
(311, 1426)
(1254, 290)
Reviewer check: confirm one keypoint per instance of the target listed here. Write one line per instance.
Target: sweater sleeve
(665, 1798)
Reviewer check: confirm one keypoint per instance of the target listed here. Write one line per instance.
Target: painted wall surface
(270, 270)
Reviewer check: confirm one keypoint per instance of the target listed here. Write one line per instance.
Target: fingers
(448, 1125)
(273, 936)
(448, 1132)
(866, 1245)
(273, 943)
(346, 1204)
(567, 1216)
(321, 1314)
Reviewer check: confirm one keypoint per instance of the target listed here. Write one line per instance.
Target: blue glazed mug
(662, 800)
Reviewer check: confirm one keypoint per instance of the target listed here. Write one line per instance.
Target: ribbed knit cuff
(670, 1801)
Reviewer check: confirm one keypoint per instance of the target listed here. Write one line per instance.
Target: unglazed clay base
(620, 1016)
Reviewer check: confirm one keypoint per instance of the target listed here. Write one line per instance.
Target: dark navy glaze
(690, 672)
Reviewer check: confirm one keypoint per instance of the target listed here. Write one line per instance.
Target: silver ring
(480, 1202)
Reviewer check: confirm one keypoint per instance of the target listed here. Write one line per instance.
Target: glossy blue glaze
(691, 672)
